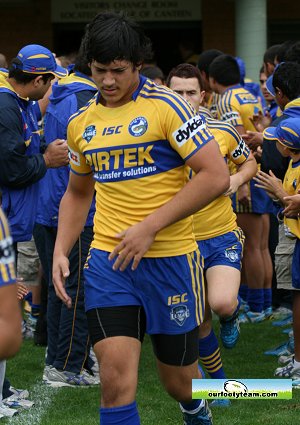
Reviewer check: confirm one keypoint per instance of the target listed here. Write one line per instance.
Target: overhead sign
(68, 11)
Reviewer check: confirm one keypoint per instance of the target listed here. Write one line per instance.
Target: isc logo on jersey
(239, 150)
(188, 130)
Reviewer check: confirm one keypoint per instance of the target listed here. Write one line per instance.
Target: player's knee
(115, 385)
(225, 307)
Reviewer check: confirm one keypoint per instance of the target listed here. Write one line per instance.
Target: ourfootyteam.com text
(242, 394)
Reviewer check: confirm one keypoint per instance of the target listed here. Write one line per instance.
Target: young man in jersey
(142, 273)
(237, 105)
(287, 137)
(219, 238)
(10, 312)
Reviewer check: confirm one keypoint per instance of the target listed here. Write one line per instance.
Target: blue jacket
(21, 164)
(68, 95)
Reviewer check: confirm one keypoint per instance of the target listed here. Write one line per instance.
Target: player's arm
(210, 181)
(73, 211)
(10, 322)
(245, 172)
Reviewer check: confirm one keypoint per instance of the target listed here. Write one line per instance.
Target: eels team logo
(138, 126)
(180, 314)
(232, 255)
(89, 133)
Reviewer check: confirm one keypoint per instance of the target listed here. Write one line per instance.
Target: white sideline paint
(43, 397)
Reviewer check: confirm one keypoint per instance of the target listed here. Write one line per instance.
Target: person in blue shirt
(67, 332)
(22, 165)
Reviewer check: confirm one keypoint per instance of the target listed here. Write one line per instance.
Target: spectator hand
(22, 290)
(269, 182)
(261, 121)
(56, 154)
(254, 139)
(292, 203)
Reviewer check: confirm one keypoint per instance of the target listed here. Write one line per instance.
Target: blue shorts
(296, 266)
(170, 289)
(223, 250)
(260, 202)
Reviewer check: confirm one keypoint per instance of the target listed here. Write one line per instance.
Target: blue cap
(287, 133)
(269, 82)
(242, 68)
(269, 86)
(36, 59)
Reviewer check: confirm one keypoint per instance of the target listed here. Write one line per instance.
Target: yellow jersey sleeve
(7, 257)
(291, 185)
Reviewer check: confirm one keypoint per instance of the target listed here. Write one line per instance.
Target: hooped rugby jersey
(291, 184)
(137, 155)
(7, 257)
(218, 217)
(237, 105)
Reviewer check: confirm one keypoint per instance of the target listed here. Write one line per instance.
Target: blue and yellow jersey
(137, 155)
(291, 184)
(205, 112)
(237, 105)
(212, 104)
(218, 217)
(7, 258)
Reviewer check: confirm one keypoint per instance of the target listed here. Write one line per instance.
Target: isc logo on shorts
(188, 130)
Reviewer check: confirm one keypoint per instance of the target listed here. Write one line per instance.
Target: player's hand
(60, 272)
(22, 289)
(244, 195)
(234, 185)
(292, 203)
(56, 154)
(136, 241)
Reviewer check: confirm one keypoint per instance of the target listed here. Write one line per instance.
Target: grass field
(66, 406)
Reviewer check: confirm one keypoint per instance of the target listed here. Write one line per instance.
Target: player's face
(188, 88)
(116, 81)
(263, 79)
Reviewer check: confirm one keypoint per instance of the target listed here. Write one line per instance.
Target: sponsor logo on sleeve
(239, 150)
(230, 116)
(188, 130)
(74, 157)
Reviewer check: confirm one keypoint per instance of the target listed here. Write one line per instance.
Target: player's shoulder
(78, 115)
(164, 97)
(223, 126)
